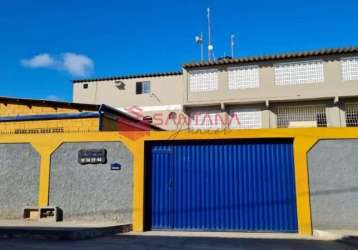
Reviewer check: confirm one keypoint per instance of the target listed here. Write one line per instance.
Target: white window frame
(349, 72)
(248, 118)
(299, 75)
(238, 80)
(203, 86)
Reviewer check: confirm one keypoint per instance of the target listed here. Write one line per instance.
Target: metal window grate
(39, 130)
(245, 118)
(299, 72)
(351, 114)
(203, 80)
(301, 116)
(349, 68)
(244, 77)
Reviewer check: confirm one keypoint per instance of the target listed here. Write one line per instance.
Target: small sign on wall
(92, 156)
(116, 166)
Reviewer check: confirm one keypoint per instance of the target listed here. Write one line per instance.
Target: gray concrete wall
(19, 179)
(92, 192)
(333, 177)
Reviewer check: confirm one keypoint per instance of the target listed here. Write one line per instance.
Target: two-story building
(304, 89)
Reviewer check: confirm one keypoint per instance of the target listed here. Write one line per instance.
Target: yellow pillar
(301, 146)
(138, 186)
(45, 149)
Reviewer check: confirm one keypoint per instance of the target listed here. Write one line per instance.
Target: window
(301, 116)
(244, 77)
(349, 67)
(205, 119)
(299, 73)
(142, 87)
(203, 80)
(245, 118)
(351, 114)
(85, 86)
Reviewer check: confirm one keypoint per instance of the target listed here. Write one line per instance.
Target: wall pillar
(45, 150)
(301, 146)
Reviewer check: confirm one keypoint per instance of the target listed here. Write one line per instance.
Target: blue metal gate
(222, 185)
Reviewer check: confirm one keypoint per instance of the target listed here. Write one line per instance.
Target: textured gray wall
(19, 179)
(333, 177)
(92, 192)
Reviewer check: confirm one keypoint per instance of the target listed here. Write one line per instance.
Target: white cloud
(78, 65)
(39, 61)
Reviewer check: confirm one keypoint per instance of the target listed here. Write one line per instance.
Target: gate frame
(147, 178)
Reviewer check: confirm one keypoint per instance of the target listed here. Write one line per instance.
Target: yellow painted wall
(304, 139)
(50, 126)
(12, 109)
(109, 124)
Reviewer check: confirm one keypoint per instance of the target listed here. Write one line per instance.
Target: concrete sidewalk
(145, 241)
(349, 237)
(344, 236)
(58, 230)
(84, 230)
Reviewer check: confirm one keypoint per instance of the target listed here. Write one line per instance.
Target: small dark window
(85, 86)
(142, 87)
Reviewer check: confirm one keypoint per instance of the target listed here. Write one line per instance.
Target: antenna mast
(200, 40)
(232, 44)
(210, 46)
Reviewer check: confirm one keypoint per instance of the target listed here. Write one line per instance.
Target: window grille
(287, 115)
(351, 114)
(245, 118)
(244, 77)
(203, 80)
(40, 130)
(299, 73)
(349, 67)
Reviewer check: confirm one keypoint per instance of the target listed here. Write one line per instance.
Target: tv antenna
(200, 41)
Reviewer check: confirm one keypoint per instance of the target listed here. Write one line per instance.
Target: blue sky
(45, 44)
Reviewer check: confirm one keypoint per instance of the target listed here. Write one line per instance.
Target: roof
(111, 78)
(108, 109)
(27, 101)
(245, 59)
(95, 111)
(55, 116)
(290, 55)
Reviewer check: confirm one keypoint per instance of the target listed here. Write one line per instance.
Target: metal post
(210, 47)
(201, 47)
(232, 43)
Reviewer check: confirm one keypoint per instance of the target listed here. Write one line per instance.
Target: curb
(49, 233)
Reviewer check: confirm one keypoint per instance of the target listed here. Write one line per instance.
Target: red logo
(133, 126)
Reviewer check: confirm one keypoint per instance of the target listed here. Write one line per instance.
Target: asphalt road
(132, 242)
